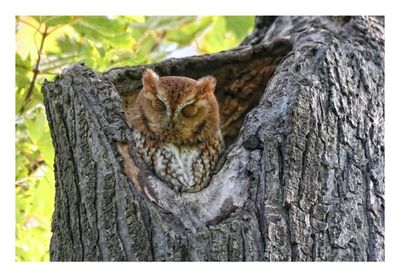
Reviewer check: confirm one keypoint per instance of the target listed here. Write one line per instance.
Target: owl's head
(178, 110)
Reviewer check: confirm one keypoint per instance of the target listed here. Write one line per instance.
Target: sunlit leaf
(225, 32)
(88, 32)
(241, 26)
(39, 133)
(98, 27)
(163, 23)
(21, 168)
(146, 45)
(43, 196)
(138, 19)
(67, 44)
(215, 40)
(27, 37)
(21, 78)
(35, 126)
(57, 20)
(23, 64)
(190, 31)
(122, 40)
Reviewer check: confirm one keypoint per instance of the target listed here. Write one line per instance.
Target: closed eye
(190, 110)
(158, 105)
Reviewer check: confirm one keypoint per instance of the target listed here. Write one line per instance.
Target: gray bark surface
(301, 180)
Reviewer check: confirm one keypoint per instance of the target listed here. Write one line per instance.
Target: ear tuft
(150, 80)
(206, 85)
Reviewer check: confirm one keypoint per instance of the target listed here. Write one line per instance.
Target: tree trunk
(302, 178)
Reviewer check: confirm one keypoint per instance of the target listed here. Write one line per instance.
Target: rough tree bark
(302, 178)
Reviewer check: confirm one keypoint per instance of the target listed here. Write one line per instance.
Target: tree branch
(35, 72)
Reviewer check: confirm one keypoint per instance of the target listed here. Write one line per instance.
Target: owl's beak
(171, 124)
(172, 121)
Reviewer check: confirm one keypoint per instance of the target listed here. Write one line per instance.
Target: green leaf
(163, 23)
(57, 20)
(122, 40)
(88, 32)
(136, 33)
(190, 31)
(40, 18)
(25, 64)
(68, 44)
(241, 26)
(139, 19)
(46, 148)
(21, 79)
(23, 68)
(225, 32)
(21, 169)
(35, 126)
(43, 195)
(214, 40)
(146, 45)
(39, 133)
(99, 27)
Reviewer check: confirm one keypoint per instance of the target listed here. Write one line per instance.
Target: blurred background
(46, 44)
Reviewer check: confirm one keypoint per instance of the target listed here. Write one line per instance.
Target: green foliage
(101, 43)
(226, 32)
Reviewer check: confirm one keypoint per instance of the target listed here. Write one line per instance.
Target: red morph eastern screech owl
(176, 127)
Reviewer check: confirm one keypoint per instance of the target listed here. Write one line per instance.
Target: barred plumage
(176, 129)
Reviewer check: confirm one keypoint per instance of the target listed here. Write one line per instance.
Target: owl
(176, 129)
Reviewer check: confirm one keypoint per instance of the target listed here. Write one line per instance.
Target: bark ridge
(302, 179)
